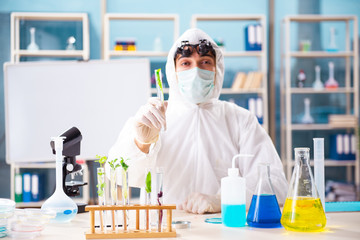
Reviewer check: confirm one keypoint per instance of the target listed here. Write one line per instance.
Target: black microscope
(71, 148)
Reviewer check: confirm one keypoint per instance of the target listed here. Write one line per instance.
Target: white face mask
(196, 84)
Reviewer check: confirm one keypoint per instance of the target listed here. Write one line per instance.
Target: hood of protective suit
(193, 35)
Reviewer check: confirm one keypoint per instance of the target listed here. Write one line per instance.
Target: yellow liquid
(304, 214)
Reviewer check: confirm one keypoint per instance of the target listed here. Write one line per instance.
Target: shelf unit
(261, 55)
(16, 53)
(15, 50)
(287, 91)
(15, 167)
(108, 53)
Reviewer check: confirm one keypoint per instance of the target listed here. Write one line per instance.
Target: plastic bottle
(233, 197)
(264, 209)
(303, 210)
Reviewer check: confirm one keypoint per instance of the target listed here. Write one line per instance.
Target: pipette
(159, 86)
(319, 168)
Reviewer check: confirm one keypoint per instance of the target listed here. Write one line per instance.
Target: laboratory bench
(340, 225)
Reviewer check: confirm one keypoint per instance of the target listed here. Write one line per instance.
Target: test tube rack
(123, 232)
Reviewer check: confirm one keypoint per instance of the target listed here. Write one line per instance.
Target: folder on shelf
(256, 81)
(342, 146)
(18, 187)
(253, 37)
(26, 187)
(35, 189)
(353, 147)
(255, 106)
(259, 37)
(249, 80)
(259, 110)
(239, 81)
(252, 105)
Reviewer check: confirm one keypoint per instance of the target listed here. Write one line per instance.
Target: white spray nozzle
(58, 143)
(235, 171)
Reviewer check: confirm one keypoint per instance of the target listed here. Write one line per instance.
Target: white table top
(345, 225)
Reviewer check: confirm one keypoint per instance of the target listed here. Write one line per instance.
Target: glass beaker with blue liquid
(264, 209)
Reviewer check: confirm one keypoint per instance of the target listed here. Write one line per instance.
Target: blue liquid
(264, 212)
(64, 215)
(233, 215)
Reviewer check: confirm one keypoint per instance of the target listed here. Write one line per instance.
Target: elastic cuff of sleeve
(154, 141)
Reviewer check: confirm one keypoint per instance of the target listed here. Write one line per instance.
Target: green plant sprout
(124, 180)
(113, 164)
(101, 185)
(101, 160)
(148, 182)
(123, 164)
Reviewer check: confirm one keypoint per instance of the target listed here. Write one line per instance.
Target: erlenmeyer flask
(303, 210)
(264, 209)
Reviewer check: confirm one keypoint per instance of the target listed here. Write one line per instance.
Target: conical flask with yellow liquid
(303, 210)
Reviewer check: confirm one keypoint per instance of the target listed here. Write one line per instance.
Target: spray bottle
(233, 197)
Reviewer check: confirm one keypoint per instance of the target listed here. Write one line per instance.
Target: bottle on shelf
(32, 45)
(158, 44)
(305, 45)
(301, 77)
(318, 85)
(307, 118)
(332, 45)
(331, 83)
(70, 43)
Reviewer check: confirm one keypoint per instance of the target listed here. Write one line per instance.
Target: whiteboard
(44, 99)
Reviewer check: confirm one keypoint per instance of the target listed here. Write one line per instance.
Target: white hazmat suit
(200, 141)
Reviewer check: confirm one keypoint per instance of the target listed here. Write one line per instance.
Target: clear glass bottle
(32, 45)
(264, 209)
(303, 210)
(307, 118)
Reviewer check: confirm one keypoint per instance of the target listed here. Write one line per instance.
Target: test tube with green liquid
(159, 86)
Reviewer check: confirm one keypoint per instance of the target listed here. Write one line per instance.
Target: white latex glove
(201, 203)
(149, 120)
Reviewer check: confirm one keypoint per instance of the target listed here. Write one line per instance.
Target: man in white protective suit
(202, 132)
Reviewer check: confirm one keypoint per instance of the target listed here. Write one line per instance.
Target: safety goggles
(202, 48)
